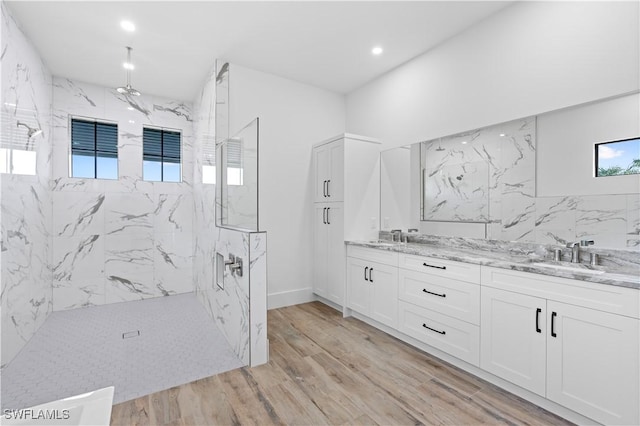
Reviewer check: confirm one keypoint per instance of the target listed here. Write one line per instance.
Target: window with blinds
(208, 159)
(94, 149)
(161, 155)
(234, 162)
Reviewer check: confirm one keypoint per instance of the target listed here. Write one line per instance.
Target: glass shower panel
(237, 170)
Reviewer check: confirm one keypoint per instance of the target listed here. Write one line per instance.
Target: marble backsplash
(126, 239)
(26, 225)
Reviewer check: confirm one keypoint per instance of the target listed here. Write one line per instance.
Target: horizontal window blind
(163, 148)
(92, 138)
(209, 151)
(161, 145)
(234, 153)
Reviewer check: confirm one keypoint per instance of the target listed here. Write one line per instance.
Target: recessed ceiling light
(130, 108)
(502, 135)
(127, 26)
(128, 66)
(132, 122)
(376, 50)
(464, 142)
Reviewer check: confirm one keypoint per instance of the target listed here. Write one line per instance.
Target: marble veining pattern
(239, 309)
(141, 231)
(486, 176)
(26, 227)
(621, 267)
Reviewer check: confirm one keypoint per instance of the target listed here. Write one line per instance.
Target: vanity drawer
(455, 337)
(441, 268)
(454, 298)
(602, 297)
(373, 255)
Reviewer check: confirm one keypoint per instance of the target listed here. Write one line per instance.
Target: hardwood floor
(328, 370)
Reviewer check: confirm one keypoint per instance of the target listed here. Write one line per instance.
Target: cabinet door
(592, 363)
(358, 286)
(335, 185)
(320, 250)
(321, 164)
(335, 253)
(513, 338)
(384, 293)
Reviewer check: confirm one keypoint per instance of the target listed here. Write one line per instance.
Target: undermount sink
(576, 269)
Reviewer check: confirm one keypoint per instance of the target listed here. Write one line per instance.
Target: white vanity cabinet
(565, 340)
(440, 304)
(372, 284)
(328, 166)
(328, 235)
(346, 175)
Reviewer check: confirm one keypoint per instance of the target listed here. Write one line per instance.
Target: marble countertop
(518, 262)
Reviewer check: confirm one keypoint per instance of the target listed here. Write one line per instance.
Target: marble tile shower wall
(239, 306)
(126, 239)
(227, 305)
(25, 282)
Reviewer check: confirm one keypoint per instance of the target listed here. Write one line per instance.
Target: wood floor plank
(134, 412)
(328, 370)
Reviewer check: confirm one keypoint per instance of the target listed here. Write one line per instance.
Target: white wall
(566, 147)
(293, 116)
(529, 58)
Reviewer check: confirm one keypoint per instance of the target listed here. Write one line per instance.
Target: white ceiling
(325, 44)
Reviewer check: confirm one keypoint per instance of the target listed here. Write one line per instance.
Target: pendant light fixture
(128, 90)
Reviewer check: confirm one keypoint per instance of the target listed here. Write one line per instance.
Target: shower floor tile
(139, 347)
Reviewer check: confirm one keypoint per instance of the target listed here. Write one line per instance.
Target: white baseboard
(288, 298)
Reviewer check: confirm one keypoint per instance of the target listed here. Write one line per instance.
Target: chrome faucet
(396, 233)
(575, 252)
(575, 249)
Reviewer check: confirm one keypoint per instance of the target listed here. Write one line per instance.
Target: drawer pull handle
(538, 312)
(433, 329)
(435, 294)
(553, 324)
(434, 266)
(365, 273)
(370, 276)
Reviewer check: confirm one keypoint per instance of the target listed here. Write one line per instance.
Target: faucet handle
(585, 243)
(572, 245)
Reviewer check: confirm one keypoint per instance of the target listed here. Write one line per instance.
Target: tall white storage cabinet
(346, 182)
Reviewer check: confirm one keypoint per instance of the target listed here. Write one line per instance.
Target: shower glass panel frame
(237, 179)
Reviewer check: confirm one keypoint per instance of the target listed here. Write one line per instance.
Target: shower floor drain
(130, 334)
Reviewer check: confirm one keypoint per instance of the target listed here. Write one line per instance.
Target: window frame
(595, 156)
(94, 120)
(162, 156)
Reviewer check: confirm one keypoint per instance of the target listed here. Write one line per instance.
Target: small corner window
(94, 149)
(161, 154)
(617, 158)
